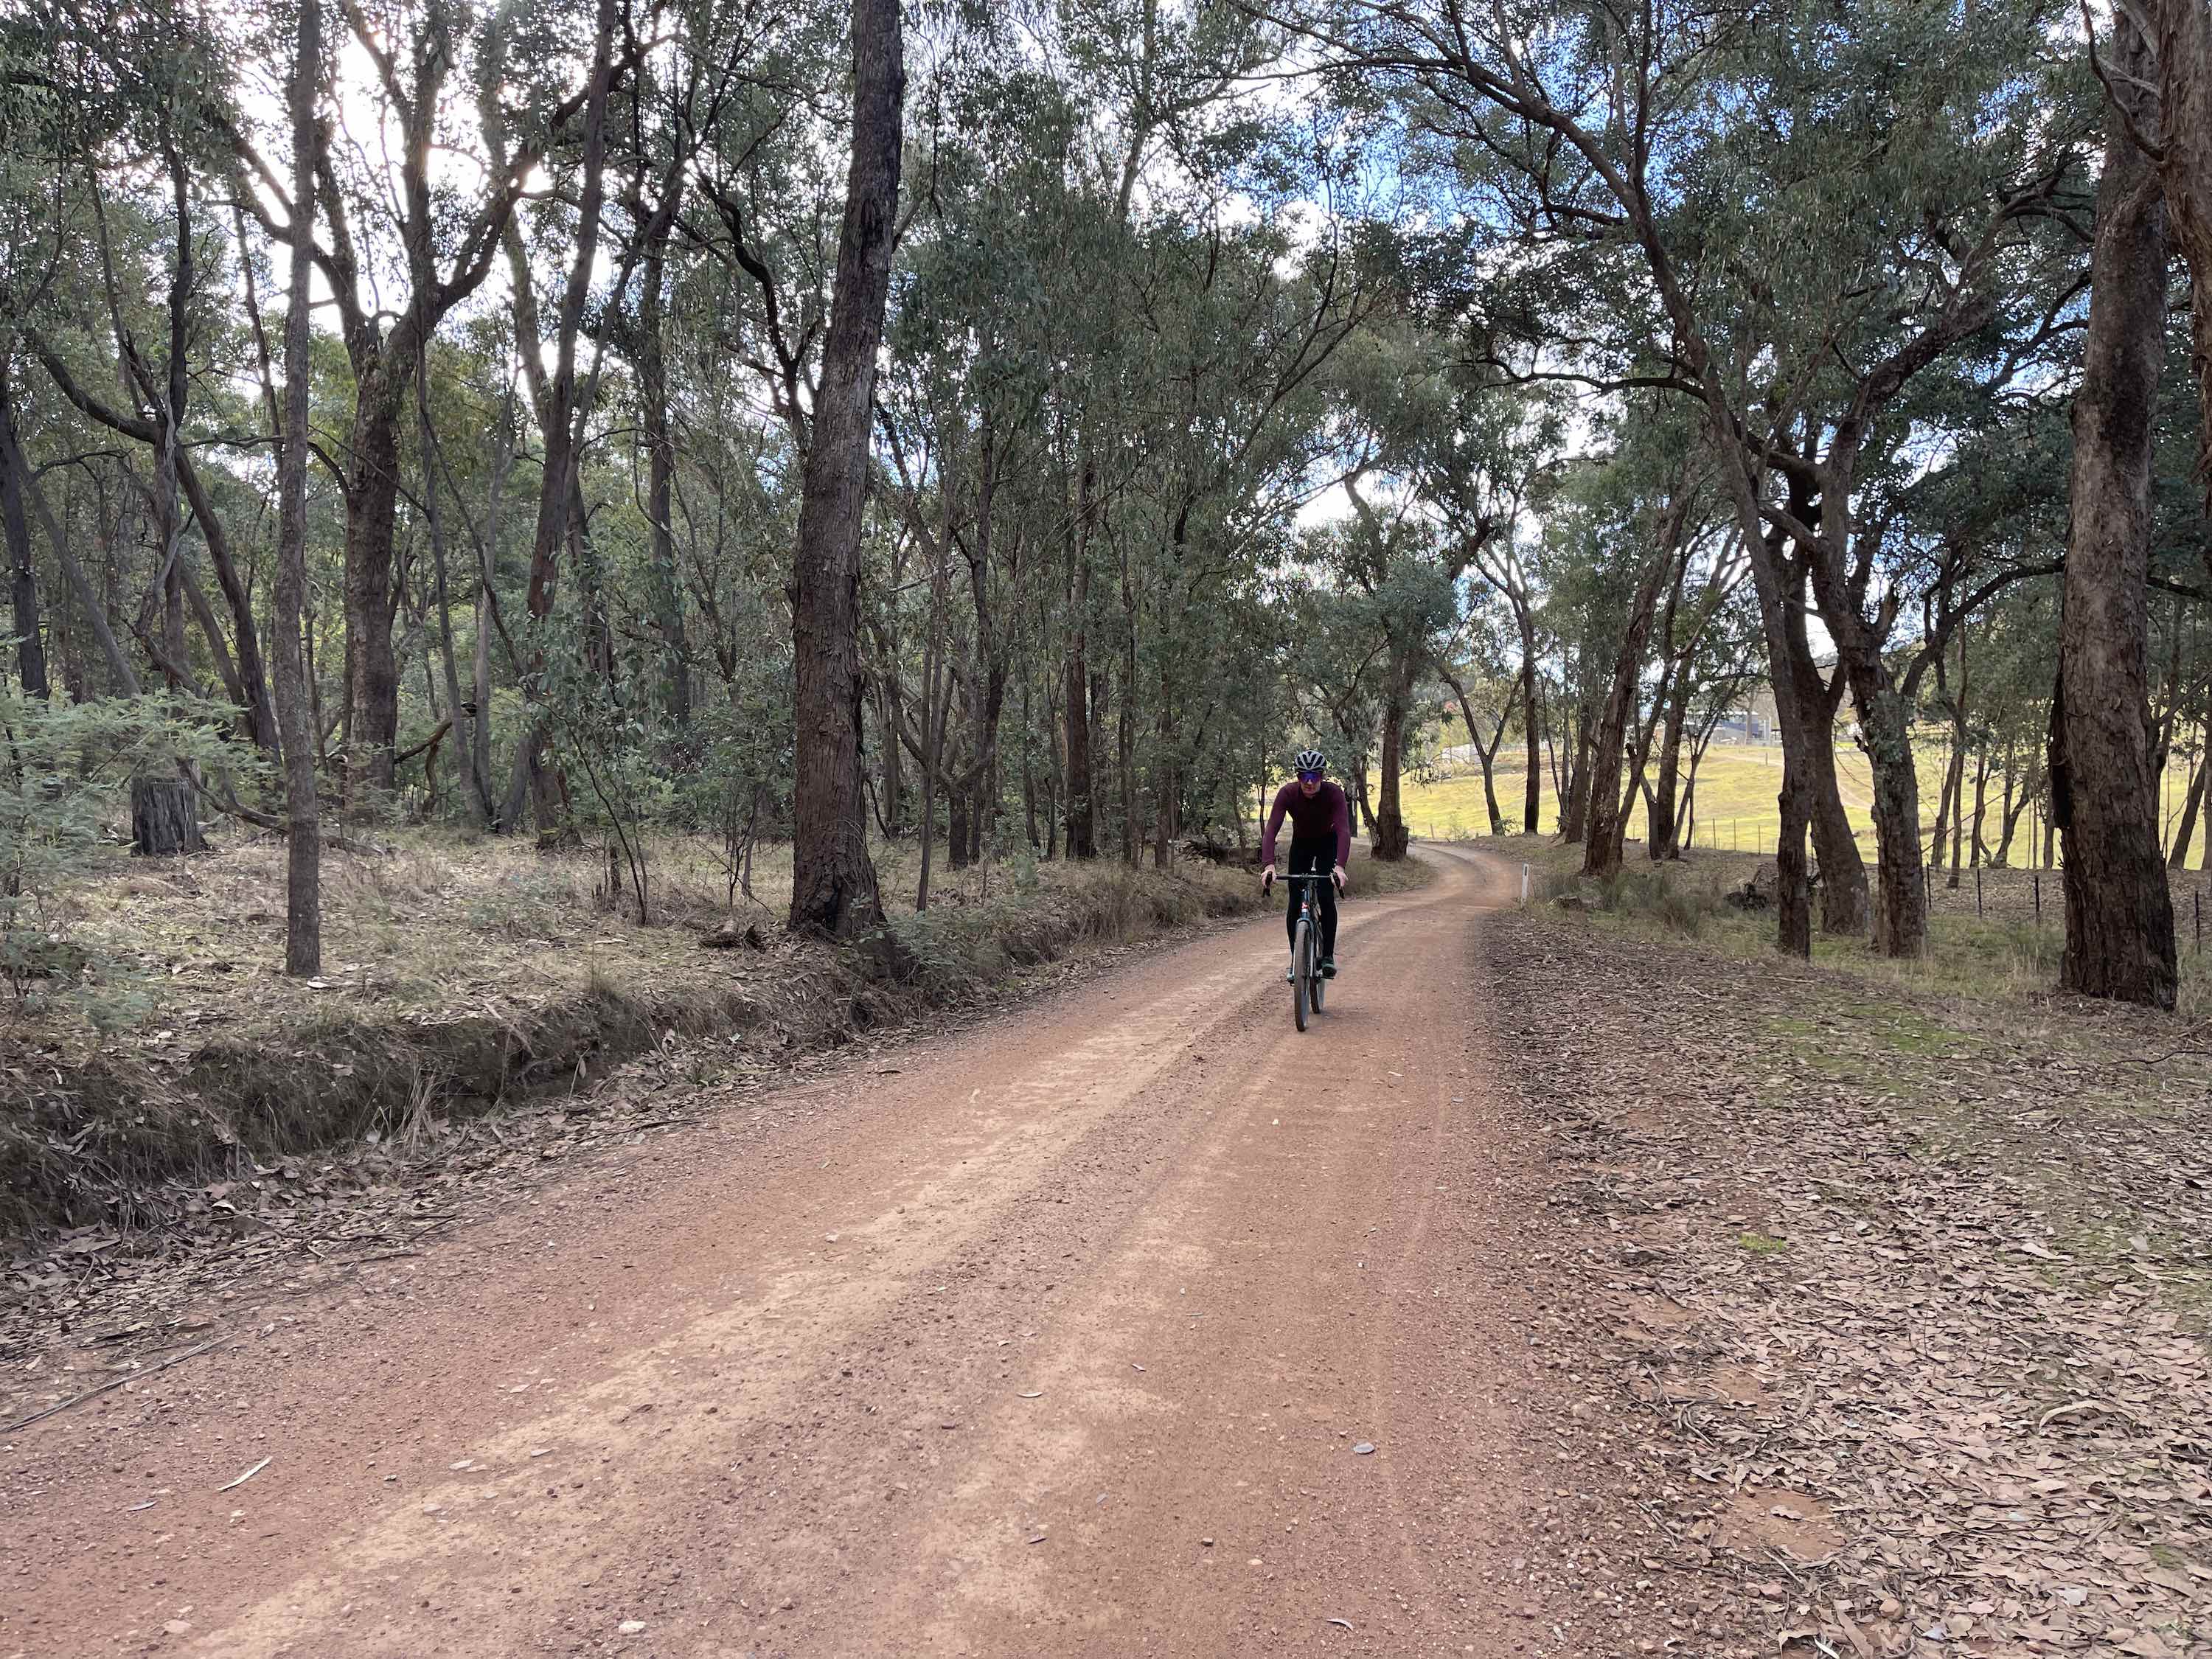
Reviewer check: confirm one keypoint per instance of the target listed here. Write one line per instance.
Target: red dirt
(1061, 1339)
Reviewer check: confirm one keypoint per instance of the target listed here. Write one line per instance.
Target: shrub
(1679, 906)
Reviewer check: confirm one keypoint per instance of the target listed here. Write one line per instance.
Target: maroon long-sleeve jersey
(1319, 817)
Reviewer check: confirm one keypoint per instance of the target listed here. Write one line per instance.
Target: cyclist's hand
(1268, 879)
(1338, 875)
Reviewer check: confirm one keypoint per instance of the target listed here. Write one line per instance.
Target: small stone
(631, 1627)
(178, 1626)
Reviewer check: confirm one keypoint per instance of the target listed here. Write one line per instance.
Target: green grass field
(1734, 802)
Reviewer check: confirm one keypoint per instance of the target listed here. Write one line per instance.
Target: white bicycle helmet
(1309, 760)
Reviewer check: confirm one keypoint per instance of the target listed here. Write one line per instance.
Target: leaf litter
(1905, 1351)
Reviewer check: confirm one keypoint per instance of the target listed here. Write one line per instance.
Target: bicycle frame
(1306, 982)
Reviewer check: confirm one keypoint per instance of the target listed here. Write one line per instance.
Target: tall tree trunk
(1666, 802)
(1082, 814)
(487, 608)
(1125, 767)
(2184, 60)
(894, 786)
(465, 722)
(557, 513)
(833, 884)
(1609, 819)
(371, 671)
(1978, 851)
(1950, 825)
(119, 668)
(933, 706)
(1532, 793)
(1805, 711)
(660, 484)
(1577, 791)
(2177, 857)
(1029, 771)
(2119, 914)
(1391, 837)
(1488, 754)
(1800, 708)
(23, 582)
(303, 843)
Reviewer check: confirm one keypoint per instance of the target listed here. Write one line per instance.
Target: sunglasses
(1309, 777)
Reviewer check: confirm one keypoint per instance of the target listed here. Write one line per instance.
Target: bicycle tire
(1301, 954)
(1314, 976)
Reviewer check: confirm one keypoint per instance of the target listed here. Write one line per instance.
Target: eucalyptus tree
(1712, 150)
(1642, 512)
(1477, 665)
(832, 883)
(406, 241)
(1479, 452)
(127, 218)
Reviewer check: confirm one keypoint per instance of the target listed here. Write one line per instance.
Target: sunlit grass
(1735, 806)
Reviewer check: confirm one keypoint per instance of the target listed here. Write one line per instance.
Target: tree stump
(165, 818)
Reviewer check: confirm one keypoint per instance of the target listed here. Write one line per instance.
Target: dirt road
(1131, 1322)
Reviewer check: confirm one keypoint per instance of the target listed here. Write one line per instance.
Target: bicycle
(1306, 980)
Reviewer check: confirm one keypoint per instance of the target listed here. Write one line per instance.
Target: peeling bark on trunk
(2184, 29)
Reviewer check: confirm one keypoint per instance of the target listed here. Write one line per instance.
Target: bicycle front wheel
(1301, 973)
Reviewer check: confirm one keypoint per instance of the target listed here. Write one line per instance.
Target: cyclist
(1321, 839)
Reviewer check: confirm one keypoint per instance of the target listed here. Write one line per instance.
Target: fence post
(1524, 884)
(1977, 890)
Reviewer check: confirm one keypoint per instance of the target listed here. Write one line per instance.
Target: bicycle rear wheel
(1301, 972)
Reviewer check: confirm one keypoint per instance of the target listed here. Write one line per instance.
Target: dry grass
(1997, 941)
(1735, 808)
(462, 971)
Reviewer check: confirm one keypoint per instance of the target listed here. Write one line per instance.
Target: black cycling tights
(1314, 859)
